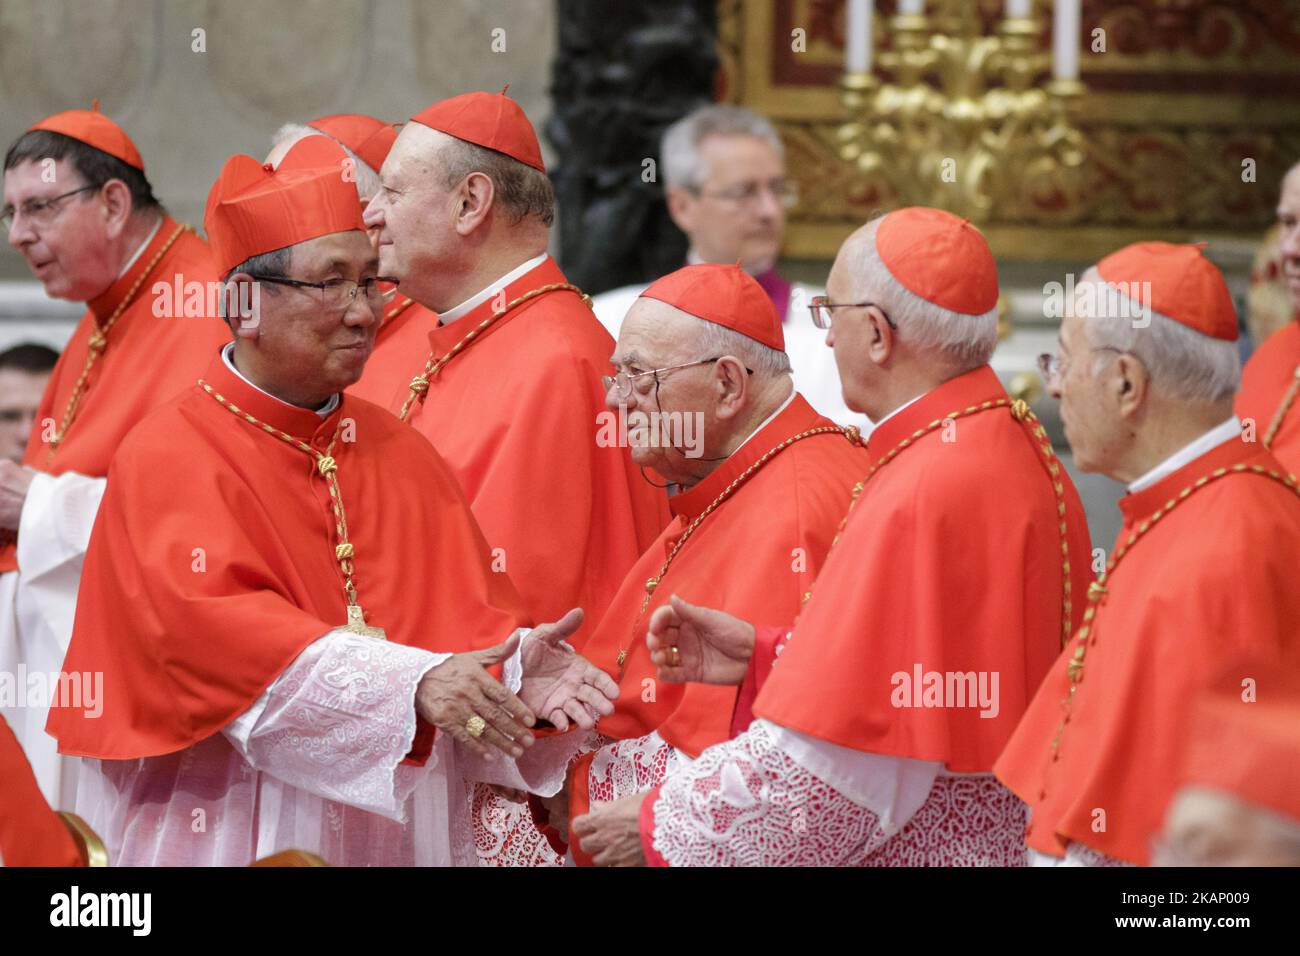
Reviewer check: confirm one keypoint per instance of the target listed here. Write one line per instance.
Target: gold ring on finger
(475, 726)
(677, 656)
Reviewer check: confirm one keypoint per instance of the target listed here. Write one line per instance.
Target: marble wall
(190, 99)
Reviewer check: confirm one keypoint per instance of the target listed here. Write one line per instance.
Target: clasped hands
(559, 685)
(687, 644)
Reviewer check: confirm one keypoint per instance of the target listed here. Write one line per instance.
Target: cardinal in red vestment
(80, 210)
(285, 586)
(1270, 382)
(959, 569)
(704, 385)
(507, 386)
(1204, 565)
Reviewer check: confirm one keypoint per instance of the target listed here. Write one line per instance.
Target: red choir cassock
(514, 412)
(754, 555)
(213, 561)
(31, 834)
(1270, 394)
(1204, 566)
(141, 341)
(962, 561)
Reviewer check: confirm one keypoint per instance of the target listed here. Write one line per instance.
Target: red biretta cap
(940, 257)
(491, 120)
(369, 138)
(1249, 748)
(723, 294)
(94, 129)
(254, 208)
(1177, 281)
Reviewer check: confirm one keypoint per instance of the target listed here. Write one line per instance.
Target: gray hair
(1183, 363)
(521, 190)
(367, 177)
(718, 340)
(274, 264)
(679, 150)
(964, 341)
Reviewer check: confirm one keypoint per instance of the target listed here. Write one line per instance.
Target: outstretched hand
(697, 644)
(560, 684)
(460, 688)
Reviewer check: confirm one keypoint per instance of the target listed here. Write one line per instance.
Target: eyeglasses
(621, 382)
(340, 293)
(1052, 366)
(38, 212)
(820, 307)
(785, 192)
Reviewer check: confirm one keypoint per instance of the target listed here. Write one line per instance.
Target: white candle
(1065, 40)
(1018, 8)
(858, 37)
(911, 7)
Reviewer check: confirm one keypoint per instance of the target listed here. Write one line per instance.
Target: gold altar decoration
(1185, 93)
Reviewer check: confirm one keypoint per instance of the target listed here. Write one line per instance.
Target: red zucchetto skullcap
(254, 208)
(940, 257)
(1249, 748)
(94, 129)
(1183, 285)
(491, 120)
(369, 138)
(723, 294)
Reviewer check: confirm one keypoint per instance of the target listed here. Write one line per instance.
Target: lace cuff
(339, 721)
(748, 803)
(623, 767)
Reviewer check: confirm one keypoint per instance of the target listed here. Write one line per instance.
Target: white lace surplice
(773, 797)
(314, 764)
(37, 608)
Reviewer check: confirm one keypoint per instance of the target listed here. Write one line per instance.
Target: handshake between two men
(560, 686)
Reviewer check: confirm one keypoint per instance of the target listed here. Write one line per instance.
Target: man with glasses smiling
(79, 209)
(287, 594)
(726, 187)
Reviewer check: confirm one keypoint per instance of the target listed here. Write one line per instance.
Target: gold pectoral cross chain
(328, 468)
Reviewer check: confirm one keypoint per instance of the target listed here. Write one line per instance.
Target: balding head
(1209, 827)
(454, 217)
(730, 384)
(900, 345)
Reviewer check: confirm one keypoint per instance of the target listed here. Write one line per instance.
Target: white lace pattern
(749, 803)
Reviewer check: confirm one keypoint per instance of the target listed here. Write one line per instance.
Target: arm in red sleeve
(768, 642)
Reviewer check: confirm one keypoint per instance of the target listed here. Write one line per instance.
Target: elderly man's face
(655, 335)
(1288, 217)
(20, 397)
(306, 348)
(738, 213)
(850, 336)
(1093, 425)
(414, 218)
(66, 244)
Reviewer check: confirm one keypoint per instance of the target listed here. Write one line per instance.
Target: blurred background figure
(726, 189)
(24, 370)
(1239, 804)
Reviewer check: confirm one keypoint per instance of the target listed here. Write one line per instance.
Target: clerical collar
(227, 356)
(1188, 453)
(143, 246)
(767, 421)
(910, 401)
(474, 301)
